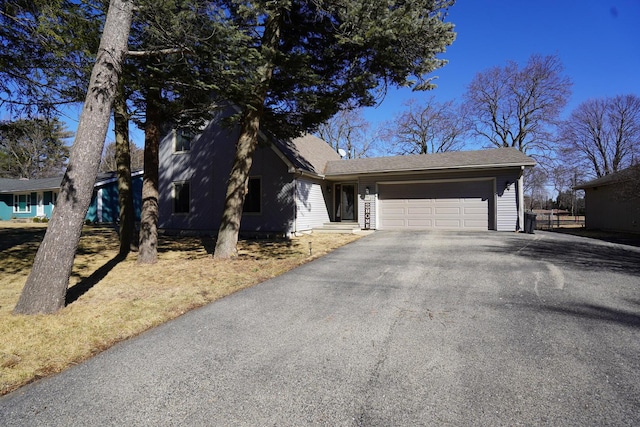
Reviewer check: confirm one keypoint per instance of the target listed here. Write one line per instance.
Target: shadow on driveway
(596, 313)
(630, 239)
(575, 253)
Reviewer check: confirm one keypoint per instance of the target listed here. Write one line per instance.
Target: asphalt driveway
(396, 329)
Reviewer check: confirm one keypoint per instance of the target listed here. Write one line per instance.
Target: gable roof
(624, 175)
(479, 159)
(307, 153)
(10, 185)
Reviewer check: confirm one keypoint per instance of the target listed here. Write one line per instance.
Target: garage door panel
(420, 222)
(417, 210)
(475, 210)
(450, 205)
(393, 210)
(448, 210)
(448, 223)
(477, 224)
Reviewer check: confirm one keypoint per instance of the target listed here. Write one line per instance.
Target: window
(183, 138)
(181, 197)
(22, 203)
(253, 198)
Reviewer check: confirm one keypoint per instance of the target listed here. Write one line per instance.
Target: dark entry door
(345, 202)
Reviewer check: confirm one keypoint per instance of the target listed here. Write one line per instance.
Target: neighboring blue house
(302, 184)
(104, 205)
(31, 198)
(28, 198)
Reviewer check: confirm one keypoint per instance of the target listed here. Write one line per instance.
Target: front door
(40, 205)
(345, 202)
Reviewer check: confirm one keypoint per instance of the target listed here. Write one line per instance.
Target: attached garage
(463, 190)
(435, 205)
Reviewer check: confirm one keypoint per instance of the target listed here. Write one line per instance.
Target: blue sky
(598, 42)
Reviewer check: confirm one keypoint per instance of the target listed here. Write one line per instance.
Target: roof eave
(433, 169)
(308, 174)
(115, 178)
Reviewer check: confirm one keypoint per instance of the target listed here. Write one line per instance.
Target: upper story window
(253, 198)
(22, 203)
(182, 140)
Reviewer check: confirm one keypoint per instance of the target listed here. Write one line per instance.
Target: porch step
(338, 227)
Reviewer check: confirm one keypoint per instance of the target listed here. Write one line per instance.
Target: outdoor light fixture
(367, 191)
(507, 185)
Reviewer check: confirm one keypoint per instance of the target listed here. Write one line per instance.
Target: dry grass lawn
(109, 301)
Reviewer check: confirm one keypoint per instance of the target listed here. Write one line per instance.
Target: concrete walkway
(396, 329)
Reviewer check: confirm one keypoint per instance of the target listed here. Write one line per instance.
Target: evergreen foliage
(305, 61)
(47, 48)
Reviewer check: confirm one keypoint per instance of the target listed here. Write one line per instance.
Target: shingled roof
(308, 153)
(9, 185)
(624, 175)
(484, 159)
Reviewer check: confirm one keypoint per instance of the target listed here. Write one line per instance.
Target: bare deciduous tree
(431, 127)
(602, 136)
(108, 162)
(535, 187)
(348, 130)
(33, 148)
(518, 107)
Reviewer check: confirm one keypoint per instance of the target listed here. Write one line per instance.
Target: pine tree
(305, 61)
(178, 51)
(46, 286)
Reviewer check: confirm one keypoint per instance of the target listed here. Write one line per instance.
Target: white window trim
(16, 203)
(175, 143)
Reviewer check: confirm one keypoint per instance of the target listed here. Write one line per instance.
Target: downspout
(99, 205)
(294, 231)
(521, 200)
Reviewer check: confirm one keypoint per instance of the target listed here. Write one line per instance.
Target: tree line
(516, 106)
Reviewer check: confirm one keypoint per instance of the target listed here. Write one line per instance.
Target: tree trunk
(123, 162)
(46, 286)
(148, 248)
(226, 244)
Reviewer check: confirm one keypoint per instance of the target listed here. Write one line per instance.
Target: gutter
(434, 169)
(291, 167)
(114, 179)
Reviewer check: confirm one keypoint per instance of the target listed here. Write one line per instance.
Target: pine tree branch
(158, 52)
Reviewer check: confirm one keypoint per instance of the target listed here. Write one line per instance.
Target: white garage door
(449, 205)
